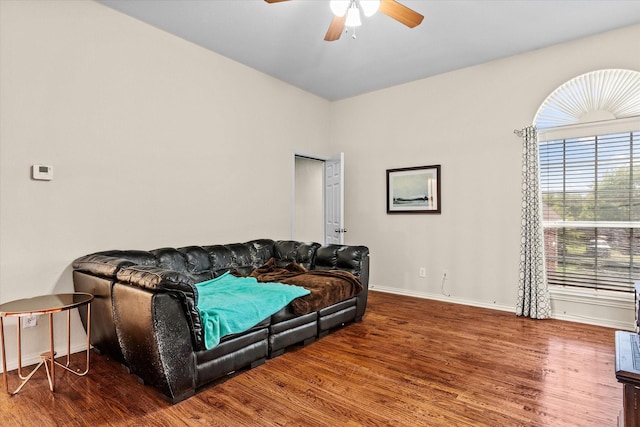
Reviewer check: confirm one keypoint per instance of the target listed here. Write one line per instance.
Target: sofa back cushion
(347, 258)
(197, 263)
(170, 259)
(242, 261)
(242, 257)
(221, 259)
(137, 257)
(287, 251)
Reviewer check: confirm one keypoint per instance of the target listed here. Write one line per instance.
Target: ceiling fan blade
(274, 1)
(401, 13)
(335, 28)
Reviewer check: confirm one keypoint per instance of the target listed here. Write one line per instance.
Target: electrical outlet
(422, 272)
(29, 321)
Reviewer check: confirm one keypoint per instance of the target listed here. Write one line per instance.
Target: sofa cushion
(261, 250)
(347, 258)
(170, 259)
(198, 263)
(221, 259)
(241, 259)
(288, 251)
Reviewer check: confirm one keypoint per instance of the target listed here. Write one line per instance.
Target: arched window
(589, 133)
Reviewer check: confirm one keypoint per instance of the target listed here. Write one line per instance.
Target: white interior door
(334, 200)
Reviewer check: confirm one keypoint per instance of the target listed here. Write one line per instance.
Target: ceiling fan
(347, 14)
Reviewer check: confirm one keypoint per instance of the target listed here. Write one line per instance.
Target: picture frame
(414, 190)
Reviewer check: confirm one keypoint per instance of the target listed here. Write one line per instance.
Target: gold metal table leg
(52, 355)
(4, 362)
(88, 350)
(28, 377)
(45, 359)
(25, 378)
(4, 358)
(19, 337)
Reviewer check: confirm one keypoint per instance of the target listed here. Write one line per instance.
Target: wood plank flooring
(411, 362)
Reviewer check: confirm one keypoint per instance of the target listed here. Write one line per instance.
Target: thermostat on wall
(42, 172)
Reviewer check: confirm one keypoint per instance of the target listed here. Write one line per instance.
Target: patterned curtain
(533, 292)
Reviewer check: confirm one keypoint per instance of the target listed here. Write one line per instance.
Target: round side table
(44, 304)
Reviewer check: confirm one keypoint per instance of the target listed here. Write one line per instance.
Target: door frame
(323, 159)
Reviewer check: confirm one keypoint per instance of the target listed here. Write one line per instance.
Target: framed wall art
(414, 190)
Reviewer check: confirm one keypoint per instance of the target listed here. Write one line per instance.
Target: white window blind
(591, 210)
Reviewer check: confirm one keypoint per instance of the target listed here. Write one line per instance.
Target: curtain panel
(533, 292)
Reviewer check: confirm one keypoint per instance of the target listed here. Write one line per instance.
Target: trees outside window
(591, 201)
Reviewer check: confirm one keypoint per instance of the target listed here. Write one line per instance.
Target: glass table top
(44, 304)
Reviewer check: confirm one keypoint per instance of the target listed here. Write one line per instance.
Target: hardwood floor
(411, 362)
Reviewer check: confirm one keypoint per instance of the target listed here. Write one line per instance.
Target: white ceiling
(285, 40)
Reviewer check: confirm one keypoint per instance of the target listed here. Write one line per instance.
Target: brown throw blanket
(327, 287)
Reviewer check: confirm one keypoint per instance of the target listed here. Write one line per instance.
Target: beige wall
(464, 121)
(154, 142)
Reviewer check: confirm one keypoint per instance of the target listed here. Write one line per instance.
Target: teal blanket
(230, 305)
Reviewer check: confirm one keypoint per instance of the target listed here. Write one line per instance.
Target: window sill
(596, 307)
(623, 300)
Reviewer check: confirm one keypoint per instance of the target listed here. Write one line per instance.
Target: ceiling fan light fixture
(353, 17)
(339, 7)
(369, 7)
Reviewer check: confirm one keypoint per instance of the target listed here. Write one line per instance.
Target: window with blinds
(591, 210)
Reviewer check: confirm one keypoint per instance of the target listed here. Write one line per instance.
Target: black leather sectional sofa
(145, 315)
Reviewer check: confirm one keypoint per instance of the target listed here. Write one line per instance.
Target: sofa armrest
(364, 295)
(101, 265)
(354, 259)
(107, 263)
(157, 279)
(153, 332)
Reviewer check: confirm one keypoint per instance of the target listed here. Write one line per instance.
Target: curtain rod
(522, 132)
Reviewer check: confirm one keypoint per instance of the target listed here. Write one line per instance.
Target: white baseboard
(441, 297)
(590, 320)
